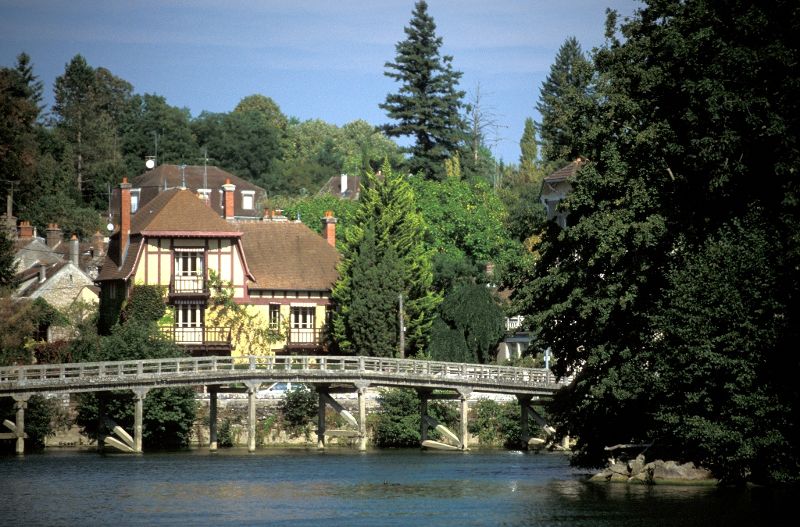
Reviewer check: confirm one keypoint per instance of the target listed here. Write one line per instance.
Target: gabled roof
(288, 256)
(179, 212)
(566, 172)
(165, 177)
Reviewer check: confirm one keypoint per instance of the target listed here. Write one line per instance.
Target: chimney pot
(74, 251)
(329, 228)
(228, 208)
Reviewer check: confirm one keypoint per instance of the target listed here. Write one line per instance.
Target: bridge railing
(433, 370)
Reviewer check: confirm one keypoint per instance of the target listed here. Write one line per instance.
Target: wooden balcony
(188, 287)
(201, 341)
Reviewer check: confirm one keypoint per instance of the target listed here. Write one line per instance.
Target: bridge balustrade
(376, 369)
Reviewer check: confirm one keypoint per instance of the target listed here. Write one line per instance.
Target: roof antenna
(183, 177)
(205, 167)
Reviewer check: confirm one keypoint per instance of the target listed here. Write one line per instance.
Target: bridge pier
(524, 417)
(138, 417)
(252, 388)
(322, 390)
(362, 415)
(212, 418)
(423, 413)
(464, 435)
(20, 403)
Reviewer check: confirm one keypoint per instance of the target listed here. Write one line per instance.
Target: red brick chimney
(25, 230)
(229, 189)
(124, 217)
(329, 228)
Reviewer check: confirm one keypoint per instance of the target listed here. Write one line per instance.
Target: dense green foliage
(468, 325)
(7, 266)
(677, 277)
(298, 407)
(564, 101)
(428, 103)
(145, 304)
(496, 424)
(387, 210)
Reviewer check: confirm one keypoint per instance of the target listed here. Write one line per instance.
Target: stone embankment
(656, 472)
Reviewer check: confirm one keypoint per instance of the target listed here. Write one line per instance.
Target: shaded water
(342, 487)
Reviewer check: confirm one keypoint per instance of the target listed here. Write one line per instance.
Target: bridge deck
(196, 371)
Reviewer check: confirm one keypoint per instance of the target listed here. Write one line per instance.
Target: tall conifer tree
(427, 106)
(564, 100)
(387, 211)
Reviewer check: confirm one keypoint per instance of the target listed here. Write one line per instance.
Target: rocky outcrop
(657, 472)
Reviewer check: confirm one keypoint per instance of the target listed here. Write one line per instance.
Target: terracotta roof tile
(178, 210)
(288, 255)
(566, 171)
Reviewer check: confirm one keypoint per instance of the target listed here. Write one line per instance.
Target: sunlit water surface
(343, 487)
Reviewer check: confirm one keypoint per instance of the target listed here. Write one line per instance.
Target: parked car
(278, 389)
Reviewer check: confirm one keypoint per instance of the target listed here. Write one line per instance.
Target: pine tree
(34, 85)
(387, 208)
(564, 100)
(428, 104)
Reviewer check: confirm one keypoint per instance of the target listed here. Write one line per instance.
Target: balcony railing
(188, 286)
(305, 337)
(199, 336)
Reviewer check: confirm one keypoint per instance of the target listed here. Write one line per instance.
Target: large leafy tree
(243, 142)
(388, 209)
(427, 106)
(152, 123)
(564, 99)
(672, 301)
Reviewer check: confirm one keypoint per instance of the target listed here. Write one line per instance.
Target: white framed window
(302, 324)
(135, 199)
(248, 199)
(188, 262)
(275, 317)
(189, 323)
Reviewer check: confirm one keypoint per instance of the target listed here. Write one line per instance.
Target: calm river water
(343, 487)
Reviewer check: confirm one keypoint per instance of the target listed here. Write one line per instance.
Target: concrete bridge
(328, 374)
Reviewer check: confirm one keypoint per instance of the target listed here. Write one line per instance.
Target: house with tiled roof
(206, 181)
(279, 270)
(555, 188)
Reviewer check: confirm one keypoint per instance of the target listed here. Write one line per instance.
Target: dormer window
(248, 199)
(135, 199)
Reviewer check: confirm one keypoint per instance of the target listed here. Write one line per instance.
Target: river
(299, 487)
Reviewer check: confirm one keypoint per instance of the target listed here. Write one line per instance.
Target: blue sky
(315, 58)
